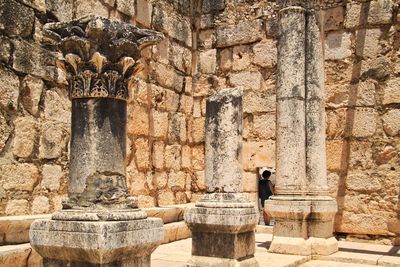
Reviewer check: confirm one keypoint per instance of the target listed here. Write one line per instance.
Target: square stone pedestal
(303, 225)
(222, 234)
(96, 243)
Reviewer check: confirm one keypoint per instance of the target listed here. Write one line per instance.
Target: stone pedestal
(302, 210)
(222, 226)
(224, 220)
(99, 225)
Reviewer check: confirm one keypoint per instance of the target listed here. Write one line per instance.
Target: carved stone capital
(100, 55)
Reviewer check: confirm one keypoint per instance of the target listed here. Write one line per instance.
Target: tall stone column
(99, 225)
(223, 221)
(302, 209)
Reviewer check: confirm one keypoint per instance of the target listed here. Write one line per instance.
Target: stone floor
(350, 254)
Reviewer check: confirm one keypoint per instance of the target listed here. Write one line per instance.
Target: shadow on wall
(350, 113)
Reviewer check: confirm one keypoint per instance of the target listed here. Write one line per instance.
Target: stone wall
(210, 44)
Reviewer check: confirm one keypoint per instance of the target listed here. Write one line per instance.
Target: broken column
(223, 221)
(302, 209)
(99, 225)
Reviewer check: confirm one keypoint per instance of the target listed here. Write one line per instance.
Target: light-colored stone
(250, 182)
(175, 231)
(364, 122)
(198, 157)
(334, 154)
(173, 24)
(142, 153)
(391, 92)
(165, 99)
(126, 6)
(198, 128)
(391, 121)
(40, 205)
(53, 141)
(359, 94)
(172, 157)
(161, 179)
(144, 12)
(90, 7)
(338, 45)
(32, 89)
(52, 175)
(226, 59)
(371, 224)
(258, 102)
(9, 90)
(145, 201)
(336, 122)
(21, 176)
(244, 32)
(62, 9)
(333, 18)
(166, 197)
(57, 106)
(181, 58)
(136, 180)
(208, 61)
(207, 39)
(246, 80)
(17, 207)
(15, 255)
(258, 154)
(186, 157)
(138, 121)
(363, 182)
(265, 53)
(264, 126)
(158, 155)
(241, 57)
(177, 181)
(379, 12)
(186, 104)
(370, 48)
(160, 124)
(5, 131)
(25, 137)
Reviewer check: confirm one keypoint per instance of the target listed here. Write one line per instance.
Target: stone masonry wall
(210, 44)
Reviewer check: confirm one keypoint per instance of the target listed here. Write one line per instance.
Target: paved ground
(351, 254)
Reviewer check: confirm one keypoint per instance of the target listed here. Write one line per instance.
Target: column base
(222, 233)
(198, 261)
(96, 243)
(303, 225)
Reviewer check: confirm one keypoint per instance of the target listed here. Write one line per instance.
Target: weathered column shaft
(223, 221)
(98, 151)
(99, 225)
(290, 131)
(223, 143)
(315, 109)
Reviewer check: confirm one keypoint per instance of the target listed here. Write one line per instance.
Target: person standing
(265, 190)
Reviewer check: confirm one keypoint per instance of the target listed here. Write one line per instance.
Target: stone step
(15, 229)
(176, 231)
(21, 255)
(264, 229)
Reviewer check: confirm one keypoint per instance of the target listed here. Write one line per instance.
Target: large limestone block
(244, 32)
(9, 90)
(391, 123)
(62, 9)
(32, 89)
(25, 137)
(373, 12)
(391, 93)
(97, 242)
(19, 176)
(16, 19)
(338, 45)
(5, 131)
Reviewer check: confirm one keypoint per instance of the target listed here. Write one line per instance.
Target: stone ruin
(210, 46)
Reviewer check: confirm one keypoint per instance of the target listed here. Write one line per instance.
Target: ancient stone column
(223, 221)
(302, 209)
(99, 225)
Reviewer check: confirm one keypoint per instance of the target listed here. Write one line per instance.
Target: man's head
(266, 174)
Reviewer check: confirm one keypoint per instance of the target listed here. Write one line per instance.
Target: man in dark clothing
(265, 190)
